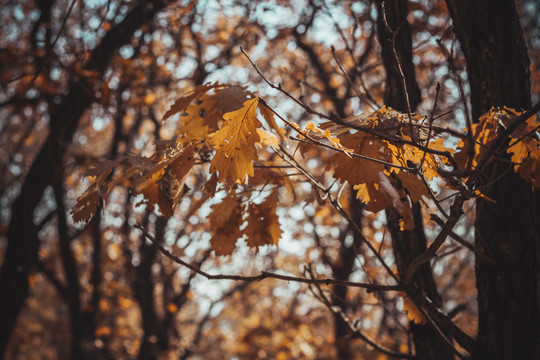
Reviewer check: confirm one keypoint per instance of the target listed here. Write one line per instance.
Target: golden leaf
(235, 144)
(204, 115)
(268, 115)
(526, 156)
(413, 313)
(362, 172)
(152, 195)
(524, 149)
(267, 138)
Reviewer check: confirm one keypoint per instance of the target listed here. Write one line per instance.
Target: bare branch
(264, 274)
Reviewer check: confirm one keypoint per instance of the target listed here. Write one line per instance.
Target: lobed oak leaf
(262, 223)
(235, 144)
(413, 313)
(178, 171)
(267, 138)
(526, 157)
(414, 186)
(183, 102)
(482, 134)
(225, 220)
(152, 194)
(163, 184)
(204, 115)
(524, 146)
(362, 172)
(86, 205)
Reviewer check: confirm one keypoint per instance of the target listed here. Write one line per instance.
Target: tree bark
(508, 231)
(394, 34)
(23, 242)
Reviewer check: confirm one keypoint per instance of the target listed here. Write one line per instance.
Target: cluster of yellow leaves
(523, 146)
(377, 166)
(386, 156)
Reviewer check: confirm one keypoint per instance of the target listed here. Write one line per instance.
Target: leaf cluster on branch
(390, 159)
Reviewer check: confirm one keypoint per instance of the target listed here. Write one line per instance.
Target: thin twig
(456, 211)
(355, 331)
(400, 68)
(264, 274)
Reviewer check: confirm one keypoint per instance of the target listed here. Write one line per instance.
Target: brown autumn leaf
(86, 205)
(268, 115)
(363, 174)
(152, 195)
(235, 144)
(225, 221)
(163, 184)
(526, 157)
(413, 313)
(204, 115)
(524, 146)
(183, 102)
(262, 223)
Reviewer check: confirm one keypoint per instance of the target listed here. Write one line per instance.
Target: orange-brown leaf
(203, 116)
(262, 223)
(225, 220)
(413, 313)
(268, 115)
(182, 103)
(86, 205)
(235, 144)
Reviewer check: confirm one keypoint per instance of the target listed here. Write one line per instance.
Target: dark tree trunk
(342, 269)
(23, 241)
(143, 289)
(395, 38)
(508, 230)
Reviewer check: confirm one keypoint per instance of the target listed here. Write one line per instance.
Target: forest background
(269, 179)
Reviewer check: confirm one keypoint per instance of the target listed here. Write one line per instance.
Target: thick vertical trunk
(342, 269)
(396, 40)
(508, 230)
(143, 289)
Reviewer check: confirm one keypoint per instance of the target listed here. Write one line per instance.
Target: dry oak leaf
(482, 133)
(183, 102)
(526, 156)
(86, 205)
(268, 115)
(262, 223)
(152, 195)
(524, 145)
(413, 313)
(235, 144)
(205, 112)
(163, 184)
(225, 221)
(363, 174)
